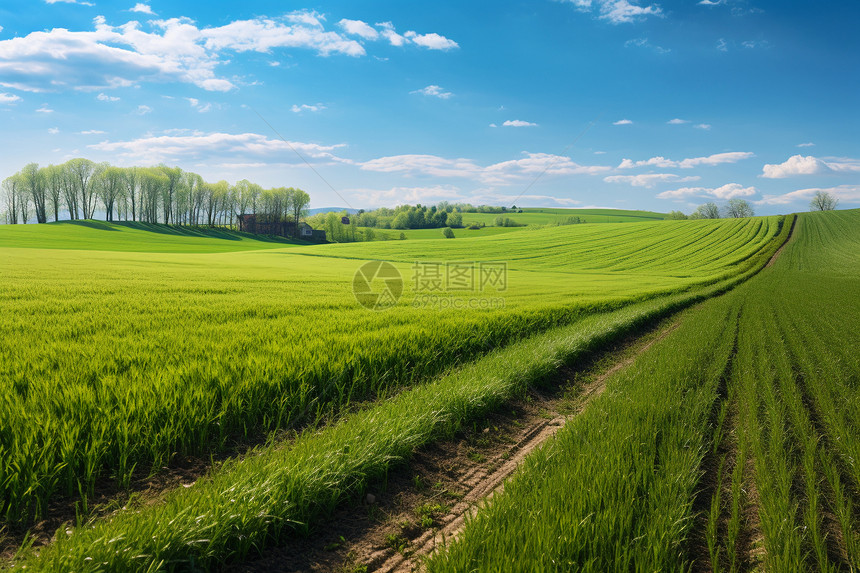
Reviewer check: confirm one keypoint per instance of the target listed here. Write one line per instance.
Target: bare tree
(33, 179)
(12, 194)
(737, 208)
(55, 181)
(81, 173)
(823, 201)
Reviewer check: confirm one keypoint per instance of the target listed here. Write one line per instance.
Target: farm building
(250, 223)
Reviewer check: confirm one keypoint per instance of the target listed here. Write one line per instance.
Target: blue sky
(579, 103)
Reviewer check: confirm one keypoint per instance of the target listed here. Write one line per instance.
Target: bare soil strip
(422, 505)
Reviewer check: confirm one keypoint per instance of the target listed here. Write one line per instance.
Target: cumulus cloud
(9, 98)
(434, 91)
(182, 145)
(105, 97)
(176, 49)
(409, 195)
(142, 8)
(728, 191)
(359, 28)
(809, 165)
(845, 193)
(649, 180)
(307, 107)
(618, 11)
(622, 122)
(677, 121)
(518, 123)
(662, 162)
(143, 110)
(431, 41)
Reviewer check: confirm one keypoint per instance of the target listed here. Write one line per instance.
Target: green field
(755, 466)
(143, 356)
(545, 216)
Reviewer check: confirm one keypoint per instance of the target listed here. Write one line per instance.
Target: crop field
(544, 216)
(731, 445)
(143, 356)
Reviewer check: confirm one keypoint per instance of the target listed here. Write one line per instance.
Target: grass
(544, 216)
(120, 361)
(134, 237)
(617, 489)
(277, 491)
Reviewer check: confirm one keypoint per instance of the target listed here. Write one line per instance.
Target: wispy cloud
(728, 191)
(92, 132)
(644, 43)
(9, 98)
(105, 97)
(649, 179)
(622, 122)
(677, 121)
(808, 144)
(307, 107)
(433, 91)
(143, 110)
(618, 11)
(722, 46)
(662, 162)
(705, 126)
(518, 123)
(54, 130)
(80, 2)
(44, 109)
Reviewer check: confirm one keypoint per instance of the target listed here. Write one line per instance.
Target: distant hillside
(331, 210)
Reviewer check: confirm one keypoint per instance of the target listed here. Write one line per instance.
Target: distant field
(541, 216)
(119, 360)
(133, 237)
(437, 233)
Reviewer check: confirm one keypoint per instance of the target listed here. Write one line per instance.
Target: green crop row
(115, 362)
(751, 404)
(273, 492)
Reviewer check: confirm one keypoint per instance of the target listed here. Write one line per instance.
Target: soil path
(425, 504)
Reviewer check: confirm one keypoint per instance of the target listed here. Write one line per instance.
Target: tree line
(79, 188)
(821, 201)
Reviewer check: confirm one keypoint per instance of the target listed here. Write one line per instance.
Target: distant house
(257, 225)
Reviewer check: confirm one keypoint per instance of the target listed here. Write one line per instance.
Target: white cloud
(618, 11)
(186, 145)
(9, 98)
(705, 126)
(92, 132)
(142, 8)
(143, 110)
(518, 123)
(677, 121)
(389, 34)
(493, 125)
(622, 122)
(432, 41)
(307, 107)
(80, 2)
(644, 43)
(170, 50)
(193, 101)
(845, 193)
(809, 144)
(728, 191)
(433, 90)
(53, 130)
(710, 2)
(358, 28)
(105, 97)
(505, 172)
(649, 179)
(45, 109)
(809, 165)
(408, 195)
(722, 46)
(662, 162)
